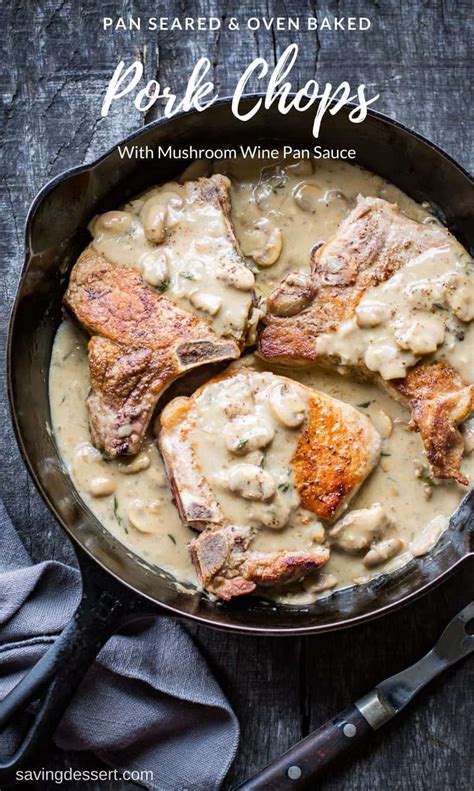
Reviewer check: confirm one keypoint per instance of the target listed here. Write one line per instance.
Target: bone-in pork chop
(253, 459)
(394, 299)
(141, 342)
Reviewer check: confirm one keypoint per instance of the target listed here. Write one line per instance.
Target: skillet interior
(56, 234)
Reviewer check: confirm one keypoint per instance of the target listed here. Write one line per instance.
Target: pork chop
(252, 454)
(181, 239)
(141, 342)
(391, 298)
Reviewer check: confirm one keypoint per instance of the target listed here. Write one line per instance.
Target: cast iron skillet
(119, 586)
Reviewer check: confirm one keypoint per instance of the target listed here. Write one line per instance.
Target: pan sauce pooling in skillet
(131, 499)
(278, 216)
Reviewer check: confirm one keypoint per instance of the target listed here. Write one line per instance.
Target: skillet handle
(299, 767)
(57, 675)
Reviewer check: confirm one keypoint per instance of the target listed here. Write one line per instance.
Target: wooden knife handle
(297, 768)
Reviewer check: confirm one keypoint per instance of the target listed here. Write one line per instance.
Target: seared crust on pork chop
(372, 244)
(337, 450)
(141, 342)
(437, 417)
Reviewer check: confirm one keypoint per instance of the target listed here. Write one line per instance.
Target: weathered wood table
(417, 55)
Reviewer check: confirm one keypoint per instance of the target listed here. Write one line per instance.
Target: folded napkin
(149, 702)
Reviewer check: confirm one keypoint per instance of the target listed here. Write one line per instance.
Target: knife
(298, 768)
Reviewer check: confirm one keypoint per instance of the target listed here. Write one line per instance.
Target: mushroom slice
(306, 196)
(112, 222)
(237, 275)
(287, 405)
(207, 303)
(360, 529)
(251, 482)
(368, 530)
(102, 486)
(271, 251)
(155, 268)
(154, 220)
(383, 551)
(247, 433)
(294, 293)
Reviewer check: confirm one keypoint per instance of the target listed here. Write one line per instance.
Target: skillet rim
(234, 627)
(163, 121)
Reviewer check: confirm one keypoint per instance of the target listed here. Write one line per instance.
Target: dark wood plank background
(417, 55)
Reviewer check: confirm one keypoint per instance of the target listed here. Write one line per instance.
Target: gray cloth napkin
(148, 703)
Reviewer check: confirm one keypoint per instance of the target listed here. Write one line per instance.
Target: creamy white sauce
(423, 309)
(305, 206)
(182, 245)
(142, 498)
(138, 510)
(305, 201)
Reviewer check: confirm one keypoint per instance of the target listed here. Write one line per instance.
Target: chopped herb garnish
(278, 186)
(118, 517)
(164, 286)
(283, 487)
(253, 267)
(385, 454)
(427, 480)
(365, 404)
(439, 306)
(459, 335)
(172, 538)
(63, 399)
(248, 264)
(71, 351)
(187, 275)
(241, 444)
